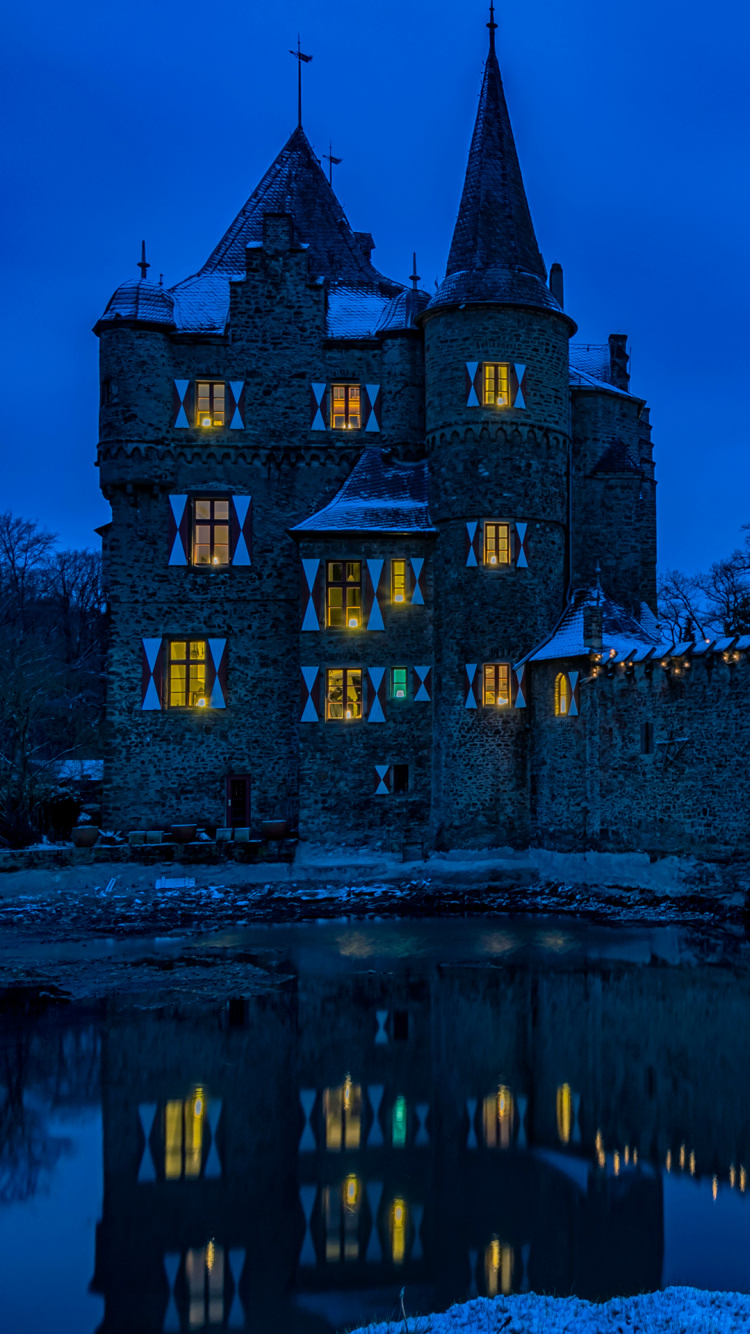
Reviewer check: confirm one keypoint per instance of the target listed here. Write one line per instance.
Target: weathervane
(143, 263)
(332, 162)
(414, 275)
(299, 57)
(492, 25)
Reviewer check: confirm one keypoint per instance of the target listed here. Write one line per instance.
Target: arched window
(562, 695)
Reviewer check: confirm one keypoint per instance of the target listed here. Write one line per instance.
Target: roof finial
(492, 26)
(414, 274)
(143, 263)
(332, 162)
(299, 57)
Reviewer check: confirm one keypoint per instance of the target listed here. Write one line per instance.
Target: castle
(383, 564)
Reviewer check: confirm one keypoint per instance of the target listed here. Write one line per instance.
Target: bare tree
(681, 607)
(24, 551)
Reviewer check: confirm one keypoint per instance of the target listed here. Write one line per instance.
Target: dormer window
(496, 380)
(346, 407)
(210, 403)
(496, 543)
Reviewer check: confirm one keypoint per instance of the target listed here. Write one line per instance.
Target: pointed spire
(494, 224)
(143, 263)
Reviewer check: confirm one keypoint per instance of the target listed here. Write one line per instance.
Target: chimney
(556, 284)
(278, 232)
(619, 374)
(592, 628)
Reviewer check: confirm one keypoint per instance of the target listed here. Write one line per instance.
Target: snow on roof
(621, 631)
(380, 495)
(592, 359)
(361, 313)
(581, 380)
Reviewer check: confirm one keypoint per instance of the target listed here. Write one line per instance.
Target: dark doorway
(238, 801)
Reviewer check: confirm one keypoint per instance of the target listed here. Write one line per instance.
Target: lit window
(210, 403)
(496, 384)
(343, 693)
(562, 695)
(346, 407)
(344, 594)
(498, 1268)
(564, 1112)
(342, 1108)
(496, 543)
(496, 684)
(398, 1231)
(187, 673)
(183, 1136)
(204, 1271)
(497, 1119)
(211, 532)
(398, 581)
(341, 1205)
(400, 779)
(398, 1127)
(398, 683)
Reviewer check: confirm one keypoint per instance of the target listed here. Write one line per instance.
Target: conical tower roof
(295, 183)
(494, 256)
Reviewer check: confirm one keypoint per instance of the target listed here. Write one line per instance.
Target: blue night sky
(132, 120)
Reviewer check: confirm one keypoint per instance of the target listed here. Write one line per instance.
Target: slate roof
(494, 256)
(617, 458)
(591, 358)
(354, 313)
(380, 495)
(146, 302)
(620, 629)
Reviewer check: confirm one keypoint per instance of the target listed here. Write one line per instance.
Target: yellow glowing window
(496, 684)
(183, 1136)
(204, 1271)
(496, 543)
(398, 683)
(564, 1103)
(498, 1268)
(343, 694)
(187, 673)
(496, 384)
(342, 1108)
(210, 403)
(497, 1119)
(346, 407)
(344, 594)
(398, 1231)
(341, 1205)
(398, 581)
(398, 1123)
(562, 695)
(211, 532)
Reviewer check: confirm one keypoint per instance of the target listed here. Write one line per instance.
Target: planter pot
(274, 828)
(85, 835)
(184, 833)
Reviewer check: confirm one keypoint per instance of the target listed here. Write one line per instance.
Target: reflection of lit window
(399, 1123)
(344, 594)
(498, 1268)
(183, 1136)
(341, 1211)
(343, 1113)
(398, 580)
(564, 1112)
(497, 1116)
(204, 1270)
(398, 1231)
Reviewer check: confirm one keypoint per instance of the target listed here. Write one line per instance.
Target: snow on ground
(674, 1311)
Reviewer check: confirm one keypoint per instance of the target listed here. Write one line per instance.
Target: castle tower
(498, 440)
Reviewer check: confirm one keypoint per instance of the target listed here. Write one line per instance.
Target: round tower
(498, 439)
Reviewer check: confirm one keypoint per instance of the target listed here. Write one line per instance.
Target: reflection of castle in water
(295, 1161)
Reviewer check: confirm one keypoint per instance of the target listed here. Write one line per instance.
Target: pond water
(450, 1107)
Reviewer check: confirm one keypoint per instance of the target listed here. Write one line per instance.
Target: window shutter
(518, 386)
(311, 594)
(371, 610)
(310, 695)
(383, 780)
(317, 399)
(151, 673)
(216, 673)
(182, 404)
(179, 536)
(575, 694)
(518, 688)
(472, 683)
(417, 592)
(372, 416)
(473, 542)
(521, 550)
(238, 394)
(376, 695)
(422, 684)
(473, 384)
(241, 531)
